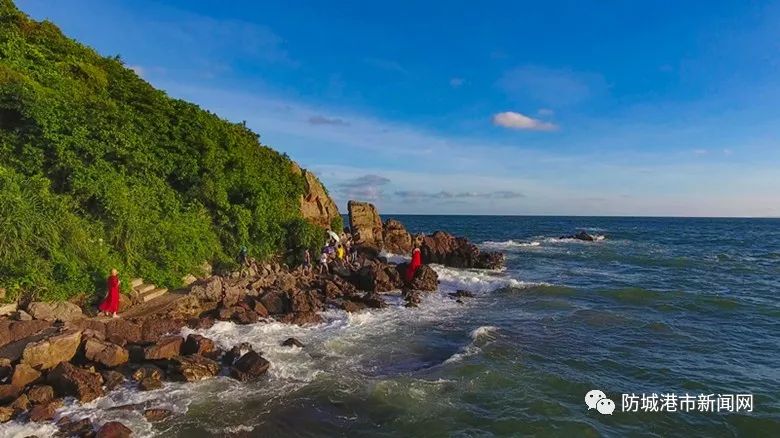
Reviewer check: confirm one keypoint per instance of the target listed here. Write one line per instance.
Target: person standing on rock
(306, 262)
(413, 265)
(110, 304)
(324, 261)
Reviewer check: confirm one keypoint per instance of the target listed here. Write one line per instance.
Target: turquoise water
(661, 305)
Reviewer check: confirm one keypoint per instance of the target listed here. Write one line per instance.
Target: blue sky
(586, 108)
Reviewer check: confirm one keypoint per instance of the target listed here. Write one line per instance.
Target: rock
(113, 429)
(304, 301)
(373, 278)
(197, 344)
(260, 309)
(47, 353)
(460, 293)
(24, 375)
(149, 384)
(154, 329)
(396, 239)
(105, 353)
(374, 301)
(148, 371)
(79, 428)
(231, 295)
(209, 289)
(316, 205)
(204, 323)
(276, 302)
(239, 315)
(412, 298)
(9, 393)
(44, 412)
(301, 318)
(194, 367)
(292, 342)
(6, 413)
(6, 369)
(365, 223)
(188, 280)
(446, 249)
(189, 306)
(21, 315)
(425, 279)
(112, 379)
(166, 348)
(581, 235)
(12, 331)
(57, 311)
(120, 328)
(21, 404)
(40, 394)
(249, 367)
(236, 352)
(155, 415)
(69, 380)
(8, 308)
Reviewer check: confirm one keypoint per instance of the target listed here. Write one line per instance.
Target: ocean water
(666, 306)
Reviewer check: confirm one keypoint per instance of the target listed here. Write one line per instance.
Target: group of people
(339, 249)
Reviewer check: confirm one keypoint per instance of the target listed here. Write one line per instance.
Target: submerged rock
(249, 367)
(292, 342)
(581, 235)
(158, 414)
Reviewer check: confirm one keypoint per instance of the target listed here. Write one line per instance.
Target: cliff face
(316, 205)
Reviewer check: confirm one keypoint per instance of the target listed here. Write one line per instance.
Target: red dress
(413, 265)
(111, 303)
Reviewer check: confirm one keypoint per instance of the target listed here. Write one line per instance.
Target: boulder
(24, 375)
(249, 367)
(316, 205)
(155, 328)
(119, 328)
(105, 353)
(304, 301)
(301, 318)
(236, 353)
(292, 342)
(365, 223)
(446, 249)
(79, 428)
(69, 380)
(351, 306)
(40, 394)
(57, 311)
(259, 309)
(6, 369)
(198, 344)
(112, 379)
(8, 308)
(12, 331)
(209, 289)
(396, 239)
(21, 315)
(9, 393)
(194, 367)
(156, 415)
(21, 404)
(374, 301)
(113, 429)
(149, 384)
(188, 306)
(167, 347)
(460, 293)
(581, 235)
(148, 371)
(373, 278)
(425, 279)
(6, 413)
(44, 412)
(47, 353)
(275, 301)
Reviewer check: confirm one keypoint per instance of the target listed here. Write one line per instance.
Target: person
(413, 265)
(340, 252)
(306, 262)
(110, 304)
(243, 255)
(324, 261)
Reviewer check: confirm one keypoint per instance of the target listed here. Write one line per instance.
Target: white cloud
(457, 82)
(513, 120)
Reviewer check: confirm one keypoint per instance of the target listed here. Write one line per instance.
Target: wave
(480, 337)
(509, 244)
(477, 281)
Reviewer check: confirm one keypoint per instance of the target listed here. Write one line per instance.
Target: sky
(630, 108)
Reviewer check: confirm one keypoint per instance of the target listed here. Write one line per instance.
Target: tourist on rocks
(110, 304)
(413, 265)
(306, 262)
(340, 253)
(324, 262)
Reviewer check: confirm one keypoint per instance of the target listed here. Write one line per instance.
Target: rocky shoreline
(52, 351)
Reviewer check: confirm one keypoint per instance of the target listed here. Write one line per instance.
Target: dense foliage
(98, 169)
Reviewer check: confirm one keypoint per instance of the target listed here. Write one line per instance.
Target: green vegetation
(98, 169)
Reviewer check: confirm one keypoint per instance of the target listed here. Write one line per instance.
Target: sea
(675, 321)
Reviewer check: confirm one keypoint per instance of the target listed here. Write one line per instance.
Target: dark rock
(301, 318)
(446, 249)
(197, 344)
(69, 380)
(396, 239)
(135, 353)
(44, 412)
(580, 235)
(460, 293)
(260, 309)
(40, 394)
(236, 352)
(155, 328)
(352, 306)
(202, 323)
(155, 415)
(249, 367)
(149, 384)
(304, 301)
(292, 342)
(194, 367)
(275, 302)
(80, 428)
(166, 348)
(9, 393)
(114, 429)
(374, 301)
(425, 279)
(105, 353)
(112, 379)
(374, 278)
(147, 371)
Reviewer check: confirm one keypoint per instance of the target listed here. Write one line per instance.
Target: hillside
(98, 169)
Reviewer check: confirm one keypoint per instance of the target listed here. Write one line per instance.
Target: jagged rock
(412, 298)
(128, 331)
(203, 323)
(197, 344)
(304, 301)
(149, 384)
(260, 309)
(396, 239)
(9, 393)
(21, 315)
(194, 367)
(114, 429)
(276, 302)
(6, 369)
(352, 306)
(79, 428)
(21, 404)
(44, 412)
(69, 380)
(425, 279)
(446, 249)
(365, 223)
(249, 367)
(40, 394)
(148, 371)
(6, 413)
(105, 353)
(12, 331)
(47, 353)
(24, 375)
(373, 278)
(301, 318)
(292, 342)
(57, 311)
(155, 415)
(112, 379)
(209, 289)
(231, 295)
(316, 206)
(188, 306)
(236, 352)
(581, 235)
(374, 301)
(167, 347)
(237, 314)
(154, 329)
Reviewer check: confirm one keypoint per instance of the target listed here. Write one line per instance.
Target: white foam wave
(395, 258)
(480, 337)
(510, 244)
(476, 281)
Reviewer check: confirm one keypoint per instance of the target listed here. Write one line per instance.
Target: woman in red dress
(413, 265)
(110, 305)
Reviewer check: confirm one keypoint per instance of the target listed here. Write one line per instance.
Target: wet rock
(301, 318)
(260, 309)
(249, 367)
(425, 279)
(47, 353)
(237, 314)
(460, 293)
(352, 306)
(135, 353)
(304, 301)
(374, 301)
(373, 278)
(446, 249)
(156, 415)
(148, 371)
(236, 352)
(113, 429)
(69, 380)
(112, 379)
(149, 384)
(197, 344)
(412, 298)
(396, 239)
(6, 369)
(166, 348)
(24, 375)
(79, 428)
(105, 353)
(44, 412)
(580, 235)
(57, 311)
(292, 342)
(194, 367)
(40, 394)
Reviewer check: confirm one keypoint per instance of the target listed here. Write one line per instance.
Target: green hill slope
(98, 169)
